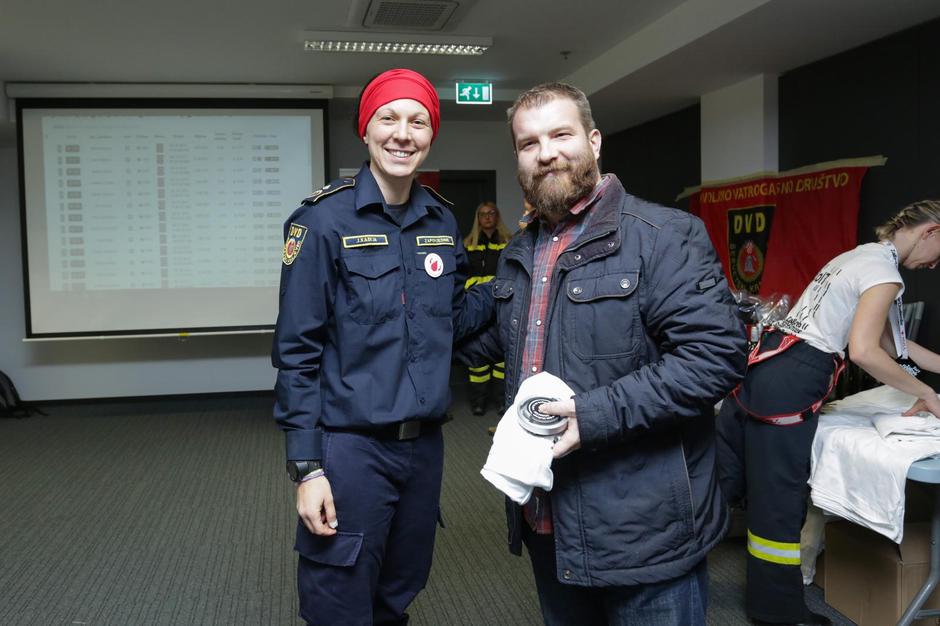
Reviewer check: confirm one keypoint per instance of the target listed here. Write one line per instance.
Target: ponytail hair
(913, 214)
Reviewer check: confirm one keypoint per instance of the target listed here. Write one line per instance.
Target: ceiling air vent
(409, 14)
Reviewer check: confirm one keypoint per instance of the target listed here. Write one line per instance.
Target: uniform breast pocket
(435, 281)
(373, 290)
(602, 317)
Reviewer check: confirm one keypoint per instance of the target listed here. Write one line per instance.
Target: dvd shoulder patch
(329, 189)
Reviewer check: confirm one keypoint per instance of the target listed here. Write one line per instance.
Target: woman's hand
(929, 404)
(315, 506)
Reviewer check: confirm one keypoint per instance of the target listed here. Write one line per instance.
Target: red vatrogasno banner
(773, 232)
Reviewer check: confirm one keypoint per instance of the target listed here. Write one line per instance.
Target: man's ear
(595, 138)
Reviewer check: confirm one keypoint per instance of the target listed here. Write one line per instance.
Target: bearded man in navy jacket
(626, 302)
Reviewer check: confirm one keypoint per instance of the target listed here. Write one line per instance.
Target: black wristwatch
(298, 469)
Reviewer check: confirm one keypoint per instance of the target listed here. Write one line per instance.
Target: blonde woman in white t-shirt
(766, 427)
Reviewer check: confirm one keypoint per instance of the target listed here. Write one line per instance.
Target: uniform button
(610, 244)
(538, 322)
(411, 315)
(625, 283)
(577, 257)
(421, 399)
(544, 279)
(567, 574)
(554, 238)
(535, 369)
(577, 291)
(515, 322)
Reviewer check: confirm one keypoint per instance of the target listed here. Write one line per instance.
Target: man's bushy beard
(553, 196)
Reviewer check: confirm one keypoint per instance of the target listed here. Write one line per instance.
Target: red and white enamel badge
(433, 265)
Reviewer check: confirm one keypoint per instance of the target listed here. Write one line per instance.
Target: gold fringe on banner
(869, 161)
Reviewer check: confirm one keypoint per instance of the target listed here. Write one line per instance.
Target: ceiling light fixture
(395, 43)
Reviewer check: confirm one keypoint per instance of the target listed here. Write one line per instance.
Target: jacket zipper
(688, 482)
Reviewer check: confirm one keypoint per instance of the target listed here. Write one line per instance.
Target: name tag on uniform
(361, 241)
(434, 240)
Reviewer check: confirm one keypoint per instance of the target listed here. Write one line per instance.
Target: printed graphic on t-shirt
(812, 299)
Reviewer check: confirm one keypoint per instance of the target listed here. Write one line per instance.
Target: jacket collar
(601, 236)
(368, 194)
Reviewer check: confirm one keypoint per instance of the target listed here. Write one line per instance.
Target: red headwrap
(395, 85)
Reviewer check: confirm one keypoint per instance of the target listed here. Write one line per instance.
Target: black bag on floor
(10, 403)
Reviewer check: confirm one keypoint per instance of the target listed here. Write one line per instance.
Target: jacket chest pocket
(602, 317)
(434, 278)
(507, 315)
(373, 289)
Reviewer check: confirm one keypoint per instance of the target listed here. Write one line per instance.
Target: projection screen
(160, 216)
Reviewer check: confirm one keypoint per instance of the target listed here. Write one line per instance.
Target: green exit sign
(474, 93)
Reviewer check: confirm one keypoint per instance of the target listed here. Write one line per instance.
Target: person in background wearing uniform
(486, 240)
(766, 427)
(371, 299)
(626, 302)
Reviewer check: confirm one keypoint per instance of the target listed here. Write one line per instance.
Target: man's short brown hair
(546, 92)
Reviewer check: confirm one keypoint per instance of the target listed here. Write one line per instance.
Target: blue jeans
(677, 602)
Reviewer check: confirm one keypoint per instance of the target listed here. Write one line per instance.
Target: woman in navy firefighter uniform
(766, 427)
(371, 299)
(486, 240)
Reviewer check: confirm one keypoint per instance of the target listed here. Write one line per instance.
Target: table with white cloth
(863, 454)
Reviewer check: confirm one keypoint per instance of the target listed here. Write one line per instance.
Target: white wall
(739, 129)
(158, 366)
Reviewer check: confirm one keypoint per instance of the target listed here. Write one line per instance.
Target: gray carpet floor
(178, 511)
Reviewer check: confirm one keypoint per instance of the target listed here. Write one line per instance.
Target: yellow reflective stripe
(499, 375)
(479, 248)
(773, 551)
(477, 280)
(494, 246)
(477, 370)
(479, 379)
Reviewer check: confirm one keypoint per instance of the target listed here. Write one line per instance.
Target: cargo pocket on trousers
(340, 550)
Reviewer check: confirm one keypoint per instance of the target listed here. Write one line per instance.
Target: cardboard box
(870, 579)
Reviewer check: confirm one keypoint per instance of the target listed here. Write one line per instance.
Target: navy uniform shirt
(369, 310)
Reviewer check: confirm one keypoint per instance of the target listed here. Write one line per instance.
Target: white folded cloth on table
(519, 461)
(907, 428)
(858, 474)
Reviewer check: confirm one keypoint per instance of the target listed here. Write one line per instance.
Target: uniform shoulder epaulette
(330, 189)
(437, 195)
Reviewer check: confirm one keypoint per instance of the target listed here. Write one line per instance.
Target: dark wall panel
(881, 98)
(657, 160)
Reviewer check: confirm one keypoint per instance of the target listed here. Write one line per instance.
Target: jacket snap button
(610, 244)
(567, 574)
(577, 291)
(577, 257)
(514, 321)
(625, 283)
